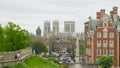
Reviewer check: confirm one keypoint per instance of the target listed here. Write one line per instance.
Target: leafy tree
(71, 38)
(81, 48)
(14, 37)
(1, 37)
(106, 61)
(53, 37)
(39, 45)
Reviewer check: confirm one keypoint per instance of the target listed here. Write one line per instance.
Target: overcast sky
(30, 14)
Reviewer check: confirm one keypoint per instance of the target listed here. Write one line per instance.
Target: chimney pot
(115, 10)
(98, 15)
(102, 12)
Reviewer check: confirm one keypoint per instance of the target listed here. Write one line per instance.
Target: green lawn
(36, 62)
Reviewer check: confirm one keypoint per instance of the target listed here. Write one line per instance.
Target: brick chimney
(115, 10)
(98, 15)
(111, 13)
(102, 12)
(115, 14)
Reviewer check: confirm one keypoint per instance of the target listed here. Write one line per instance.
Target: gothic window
(66, 27)
(48, 29)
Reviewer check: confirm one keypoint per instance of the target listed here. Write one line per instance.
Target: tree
(53, 37)
(71, 38)
(1, 37)
(81, 48)
(39, 45)
(14, 37)
(106, 61)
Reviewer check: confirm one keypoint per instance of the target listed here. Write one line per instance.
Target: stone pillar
(77, 60)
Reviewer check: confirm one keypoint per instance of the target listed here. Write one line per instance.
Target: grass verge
(36, 62)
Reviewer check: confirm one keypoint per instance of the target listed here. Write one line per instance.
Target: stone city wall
(14, 57)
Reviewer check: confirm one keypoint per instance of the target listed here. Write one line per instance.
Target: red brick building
(106, 41)
(102, 37)
(61, 45)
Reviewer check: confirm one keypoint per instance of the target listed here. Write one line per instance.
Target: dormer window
(105, 20)
(105, 25)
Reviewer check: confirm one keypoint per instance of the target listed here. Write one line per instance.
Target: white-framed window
(111, 35)
(96, 60)
(111, 42)
(105, 35)
(111, 52)
(105, 43)
(105, 51)
(98, 43)
(98, 35)
(98, 52)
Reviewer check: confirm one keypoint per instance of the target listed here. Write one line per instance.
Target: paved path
(75, 65)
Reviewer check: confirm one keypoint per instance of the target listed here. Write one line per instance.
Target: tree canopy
(53, 37)
(39, 45)
(106, 61)
(13, 38)
(81, 48)
(1, 36)
(71, 38)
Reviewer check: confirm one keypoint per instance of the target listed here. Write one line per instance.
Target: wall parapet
(14, 57)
